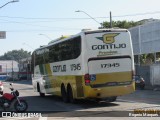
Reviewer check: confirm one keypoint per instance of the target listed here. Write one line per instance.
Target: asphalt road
(53, 106)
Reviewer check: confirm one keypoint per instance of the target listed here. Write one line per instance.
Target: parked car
(139, 82)
(1, 87)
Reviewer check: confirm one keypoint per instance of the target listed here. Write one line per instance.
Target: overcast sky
(25, 20)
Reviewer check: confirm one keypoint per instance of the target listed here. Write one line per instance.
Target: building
(8, 68)
(25, 69)
(146, 41)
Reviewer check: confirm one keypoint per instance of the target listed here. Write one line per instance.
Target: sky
(32, 23)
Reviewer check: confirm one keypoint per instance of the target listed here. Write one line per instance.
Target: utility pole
(12, 71)
(111, 20)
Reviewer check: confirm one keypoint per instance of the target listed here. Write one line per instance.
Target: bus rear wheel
(64, 94)
(112, 99)
(70, 94)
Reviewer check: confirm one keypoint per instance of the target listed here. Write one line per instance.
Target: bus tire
(39, 90)
(112, 99)
(70, 94)
(42, 94)
(64, 94)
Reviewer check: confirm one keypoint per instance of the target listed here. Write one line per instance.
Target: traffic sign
(2, 34)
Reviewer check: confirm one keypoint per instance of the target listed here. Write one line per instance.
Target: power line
(42, 18)
(138, 14)
(36, 25)
(57, 19)
(72, 18)
(63, 19)
(38, 30)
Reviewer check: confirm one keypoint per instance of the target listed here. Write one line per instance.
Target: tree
(15, 55)
(122, 24)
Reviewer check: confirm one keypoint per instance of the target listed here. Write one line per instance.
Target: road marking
(126, 100)
(42, 118)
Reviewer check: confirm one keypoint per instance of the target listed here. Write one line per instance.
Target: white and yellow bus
(94, 64)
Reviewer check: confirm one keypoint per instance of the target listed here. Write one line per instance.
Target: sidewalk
(155, 88)
(149, 87)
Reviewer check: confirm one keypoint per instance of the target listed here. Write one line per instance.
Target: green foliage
(15, 55)
(147, 58)
(143, 58)
(122, 24)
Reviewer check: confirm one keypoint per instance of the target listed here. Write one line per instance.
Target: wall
(146, 38)
(151, 74)
(144, 71)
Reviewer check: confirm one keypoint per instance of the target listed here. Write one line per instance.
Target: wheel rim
(22, 106)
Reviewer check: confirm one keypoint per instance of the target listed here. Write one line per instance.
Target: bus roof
(105, 30)
(85, 31)
(60, 38)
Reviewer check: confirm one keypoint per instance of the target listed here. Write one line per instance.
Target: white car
(1, 88)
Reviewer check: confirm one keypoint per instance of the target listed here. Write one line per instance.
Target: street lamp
(46, 36)
(89, 16)
(9, 2)
(28, 46)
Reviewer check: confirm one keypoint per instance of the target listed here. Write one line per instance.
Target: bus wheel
(42, 94)
(64, 94)
(98, 100)
(39, 90)
(70, 94)
(112, 99)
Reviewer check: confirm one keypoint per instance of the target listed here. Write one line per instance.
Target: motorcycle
(9, 100)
